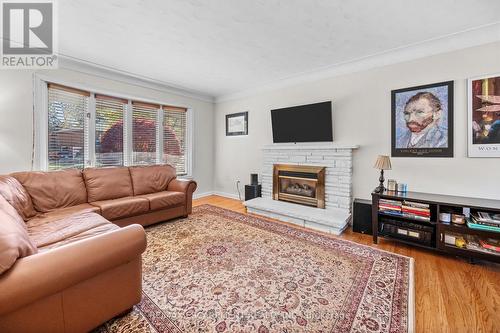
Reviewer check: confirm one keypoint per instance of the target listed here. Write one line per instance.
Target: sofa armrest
(186, 186)
(50, 272)
(180, 185)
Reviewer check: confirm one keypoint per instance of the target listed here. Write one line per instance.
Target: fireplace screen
(300, 184)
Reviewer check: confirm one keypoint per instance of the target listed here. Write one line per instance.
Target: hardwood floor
(451, 294)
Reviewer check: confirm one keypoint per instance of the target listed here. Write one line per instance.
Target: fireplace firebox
(300, 184)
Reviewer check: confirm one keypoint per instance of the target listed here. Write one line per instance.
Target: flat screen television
(304, 123)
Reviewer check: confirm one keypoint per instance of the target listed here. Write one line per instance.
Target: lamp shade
(383, 163)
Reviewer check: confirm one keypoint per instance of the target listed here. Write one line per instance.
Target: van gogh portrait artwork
(422, 121)
(484, 116)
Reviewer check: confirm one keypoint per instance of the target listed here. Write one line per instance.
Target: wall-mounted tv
(304, 123)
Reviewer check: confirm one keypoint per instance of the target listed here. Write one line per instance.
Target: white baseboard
(202, 195)
(219, 193)
(227, 195)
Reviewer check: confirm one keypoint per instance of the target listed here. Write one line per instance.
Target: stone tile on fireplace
(332, 221)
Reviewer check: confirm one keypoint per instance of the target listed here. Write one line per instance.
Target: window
(68, 109)
(109, 116)
(84, 129)
(144, 132)
(174, 137)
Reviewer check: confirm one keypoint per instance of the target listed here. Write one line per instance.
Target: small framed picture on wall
(237, 124)
(422, 121)
(484, 116)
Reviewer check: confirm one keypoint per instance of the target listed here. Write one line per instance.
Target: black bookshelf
(437, 203)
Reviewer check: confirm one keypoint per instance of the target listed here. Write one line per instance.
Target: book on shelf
(416, 209)
(389, 207)
(416, 204)
(416, 212)
(390, 202)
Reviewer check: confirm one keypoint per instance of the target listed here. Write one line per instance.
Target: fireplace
(299, 184)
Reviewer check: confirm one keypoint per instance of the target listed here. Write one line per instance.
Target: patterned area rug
(221, 271)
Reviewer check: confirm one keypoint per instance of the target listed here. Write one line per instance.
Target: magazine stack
(484, 221)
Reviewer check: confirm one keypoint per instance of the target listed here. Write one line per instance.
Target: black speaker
(254, 179)
(252, 191)
(362, 216)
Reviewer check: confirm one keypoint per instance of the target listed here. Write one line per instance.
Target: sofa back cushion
(107, 183)
(151, 179)
(15, 194)
(14, 240)
(54, 189)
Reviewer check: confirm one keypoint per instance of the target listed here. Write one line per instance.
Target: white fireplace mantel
(308, 146)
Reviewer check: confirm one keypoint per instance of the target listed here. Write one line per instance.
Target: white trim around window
(40, 124)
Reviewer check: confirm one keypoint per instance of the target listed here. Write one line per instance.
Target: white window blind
(174, 138)
(109, 130)
(144, 132)
(67, 127)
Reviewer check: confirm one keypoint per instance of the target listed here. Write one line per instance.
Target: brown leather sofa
(64, 267)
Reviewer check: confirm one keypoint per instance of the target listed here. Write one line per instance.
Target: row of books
(409, 209)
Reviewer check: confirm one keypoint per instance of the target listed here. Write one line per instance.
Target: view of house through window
(125, 132)
(174, 137)
(109, 115)
(144, 132)
(68, 130)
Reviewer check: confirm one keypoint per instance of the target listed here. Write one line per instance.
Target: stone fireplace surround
(337, 159)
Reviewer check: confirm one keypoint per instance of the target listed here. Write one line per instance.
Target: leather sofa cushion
(54, 189)
(12, 190)
(123, 207)
(165, 199)
(107, 183)
(58, 214)
(14, 240)
(151, 179)
(67, 229)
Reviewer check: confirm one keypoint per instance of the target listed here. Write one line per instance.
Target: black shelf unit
(438, 203)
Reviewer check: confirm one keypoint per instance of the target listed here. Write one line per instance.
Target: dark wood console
(424, 228)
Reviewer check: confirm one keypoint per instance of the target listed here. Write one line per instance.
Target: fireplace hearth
(299, 184)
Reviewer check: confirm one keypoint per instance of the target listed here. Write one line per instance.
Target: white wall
(362, 115)
(16, 112)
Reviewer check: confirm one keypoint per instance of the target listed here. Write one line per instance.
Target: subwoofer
(252, 191)
(362, 216)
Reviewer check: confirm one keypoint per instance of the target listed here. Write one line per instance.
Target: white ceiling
(220, 47)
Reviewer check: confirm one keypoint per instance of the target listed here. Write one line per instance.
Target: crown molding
(110, 73)
(468, 38)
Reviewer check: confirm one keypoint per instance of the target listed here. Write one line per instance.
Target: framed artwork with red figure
(484, 116)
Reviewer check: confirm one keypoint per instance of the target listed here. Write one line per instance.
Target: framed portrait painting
(484, 116)
(237, 124)
(422, 121)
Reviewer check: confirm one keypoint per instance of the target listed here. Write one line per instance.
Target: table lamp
(383, 163)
